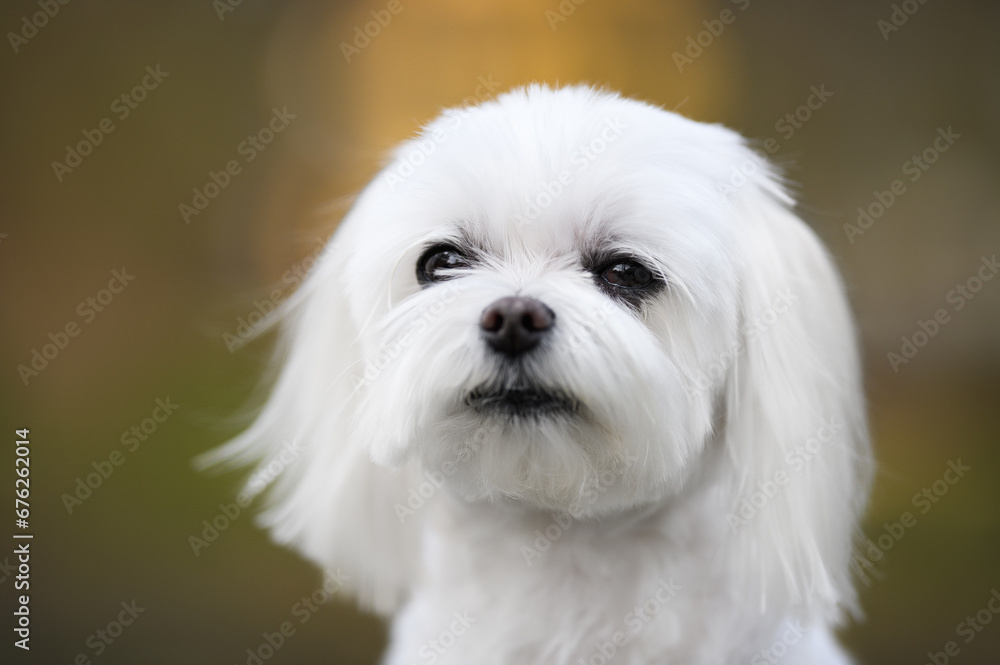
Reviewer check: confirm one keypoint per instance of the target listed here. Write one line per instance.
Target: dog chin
(535, 448)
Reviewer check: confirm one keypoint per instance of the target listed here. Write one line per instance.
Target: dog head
(567, 300)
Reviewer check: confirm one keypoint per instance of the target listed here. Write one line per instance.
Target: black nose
(516, 325)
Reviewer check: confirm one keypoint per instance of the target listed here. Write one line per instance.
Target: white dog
(574, 385)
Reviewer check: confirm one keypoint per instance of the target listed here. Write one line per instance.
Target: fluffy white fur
(700, 506)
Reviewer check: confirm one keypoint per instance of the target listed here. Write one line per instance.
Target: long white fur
(693, 403)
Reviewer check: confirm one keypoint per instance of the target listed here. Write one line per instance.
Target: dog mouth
(521, 401)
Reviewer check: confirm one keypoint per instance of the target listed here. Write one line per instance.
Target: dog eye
(627, 274)
(437, 259)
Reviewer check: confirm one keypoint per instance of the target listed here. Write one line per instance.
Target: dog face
(541, 291)
(563, 300)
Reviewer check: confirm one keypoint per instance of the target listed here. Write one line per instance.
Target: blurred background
(131, 259)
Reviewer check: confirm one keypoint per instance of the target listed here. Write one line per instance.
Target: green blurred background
(225, 66)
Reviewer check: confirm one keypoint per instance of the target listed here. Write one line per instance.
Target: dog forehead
(537, 132)
(550, 170)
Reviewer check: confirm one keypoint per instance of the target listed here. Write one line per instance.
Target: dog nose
(515, 325)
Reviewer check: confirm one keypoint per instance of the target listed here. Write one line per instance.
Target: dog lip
(521, 400)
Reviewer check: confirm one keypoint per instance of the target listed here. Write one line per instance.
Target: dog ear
(326, 498)
(796, 432)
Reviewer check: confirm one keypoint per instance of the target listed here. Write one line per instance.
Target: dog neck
(648, 579)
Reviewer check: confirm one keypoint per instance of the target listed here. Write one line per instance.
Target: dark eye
(627, 274)
(436, 260)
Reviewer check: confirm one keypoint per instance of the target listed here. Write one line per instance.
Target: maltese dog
(573, 384)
